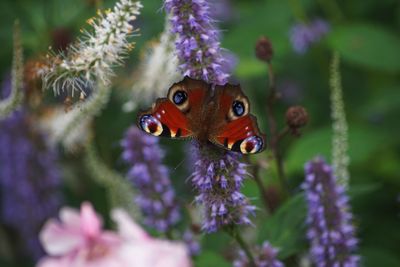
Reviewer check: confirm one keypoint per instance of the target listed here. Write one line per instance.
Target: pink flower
(78, 240)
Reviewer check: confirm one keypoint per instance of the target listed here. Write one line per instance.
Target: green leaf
(367, 45)
(211, 259)
(285, 229)
(372, 257)
(362, 143)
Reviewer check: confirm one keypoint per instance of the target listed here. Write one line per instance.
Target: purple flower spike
(156, 197)
(265, 256)
(197, 43)
(302, 35)
(330, 231)
(218, 174)
(218, 179)
(29, 179)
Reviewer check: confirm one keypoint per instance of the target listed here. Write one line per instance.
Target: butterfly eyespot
(251, 145)
(179, 97)
(151, 125)
(238, 108)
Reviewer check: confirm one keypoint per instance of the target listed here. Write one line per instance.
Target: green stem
(235, 234)
(275, 135)
(13, 101)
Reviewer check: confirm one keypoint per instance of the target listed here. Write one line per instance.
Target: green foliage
(285, 229)
(211, 259)
(363, 142)
(367, 45)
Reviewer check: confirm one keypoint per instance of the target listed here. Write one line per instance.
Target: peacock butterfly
(193, 108)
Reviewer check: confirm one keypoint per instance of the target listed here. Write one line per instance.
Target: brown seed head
(296, 117)
(264, 49)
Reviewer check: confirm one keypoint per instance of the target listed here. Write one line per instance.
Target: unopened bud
(296, 117)
(264, 49)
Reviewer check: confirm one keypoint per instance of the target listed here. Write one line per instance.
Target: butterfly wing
(237, 129)
(171, 116)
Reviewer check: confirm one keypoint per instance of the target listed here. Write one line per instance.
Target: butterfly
(196, 109)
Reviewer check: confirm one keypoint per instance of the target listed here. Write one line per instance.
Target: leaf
(211, 259)
(285, 229)
(372, 257)
(367, 45)
(362, 143)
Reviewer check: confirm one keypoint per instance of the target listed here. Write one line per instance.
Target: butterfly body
(193, 109)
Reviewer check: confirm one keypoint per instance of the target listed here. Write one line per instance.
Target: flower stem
(275, 134)
(260, 185)
(235, 234)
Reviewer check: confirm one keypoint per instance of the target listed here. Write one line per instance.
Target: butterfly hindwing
(238, 130)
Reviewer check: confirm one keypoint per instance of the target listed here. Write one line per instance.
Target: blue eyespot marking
(180, 97)
(151, 125)
(251, 145)
(238, 108)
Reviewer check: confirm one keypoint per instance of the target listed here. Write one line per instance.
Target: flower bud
(264, 49)
(296, 117)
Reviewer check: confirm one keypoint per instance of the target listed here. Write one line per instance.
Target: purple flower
(218, 174)
(330, 231)
(197, 43)
(303, 35)
(156, 197)
(29, 179)
(192, 244)
(222, 10)
(265, 256)
(217, 178)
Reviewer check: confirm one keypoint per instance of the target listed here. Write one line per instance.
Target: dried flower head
(296, 118)
(264, 49)
(340, 146)
(94, 56)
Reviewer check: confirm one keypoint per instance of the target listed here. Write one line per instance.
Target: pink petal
(70, 218)
(59, 240)
(127, 228)
(90, 221)
(155, 254)
(53, 262)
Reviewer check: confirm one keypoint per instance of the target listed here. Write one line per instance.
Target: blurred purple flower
(265, 256)
(218, 181)
(291, 92)
(303, 35)
(197, 43)
(330, 232)
(156, 197)
(29, 178)
(192, 244)
(222, 10)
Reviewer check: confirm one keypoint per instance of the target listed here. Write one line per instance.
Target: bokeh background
(365, 33)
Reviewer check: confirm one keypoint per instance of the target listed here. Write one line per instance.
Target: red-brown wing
(164, 119)
(242, 135)
(171, 116)
(238, 130)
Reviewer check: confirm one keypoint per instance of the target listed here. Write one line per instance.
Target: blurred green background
(366, 33)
